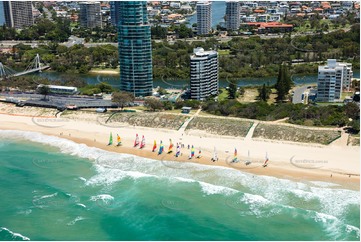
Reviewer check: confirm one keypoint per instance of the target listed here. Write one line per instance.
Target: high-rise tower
(233, 15)
(204, 17)
(2, 15)
(90, 14)
(204, 74)
(332, 78)
(18, 14)
(135, 49)
(114, 12)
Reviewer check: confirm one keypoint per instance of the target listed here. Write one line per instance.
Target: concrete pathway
(342, 141)
(250, 131)
(185, 124)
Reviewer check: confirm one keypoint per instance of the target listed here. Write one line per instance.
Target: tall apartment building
(2, 15)
(347, 81)
(204, 73)
(18, 14)
(90, 15)
(233, 9)
(204, 17)
(332, 79)
(135, 49)
(114, 12)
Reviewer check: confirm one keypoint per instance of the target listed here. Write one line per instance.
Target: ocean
(55, 189)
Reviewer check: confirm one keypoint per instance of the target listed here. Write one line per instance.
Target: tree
(122, 98)
(162, 91)
(44, 90)
(352, 111)
(159, 32)
(167, 105)
(232, 91)
(153, 104)
(283, 84)
(105, 87)
(355, 125)
(264, 92)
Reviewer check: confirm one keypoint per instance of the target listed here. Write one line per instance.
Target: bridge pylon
(37, 62)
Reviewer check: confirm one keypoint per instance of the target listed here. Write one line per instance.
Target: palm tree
(44, 90)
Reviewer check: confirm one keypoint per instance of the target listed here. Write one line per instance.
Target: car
(101, 110)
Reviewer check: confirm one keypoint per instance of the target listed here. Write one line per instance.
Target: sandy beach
(296, 161)
(107, 71)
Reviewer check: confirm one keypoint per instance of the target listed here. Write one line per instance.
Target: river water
(218, 12)
(177, 83)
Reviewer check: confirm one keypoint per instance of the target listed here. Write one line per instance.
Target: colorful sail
(178, 150)
(161, 148)
(142, 144)
(192, 151)
(235, 159)
(170, 149)
(136, 141)
(266, 161)
(119, 140)
(110, 139)
(154, 146)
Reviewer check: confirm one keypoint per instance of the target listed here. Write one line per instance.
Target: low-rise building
(270, 27)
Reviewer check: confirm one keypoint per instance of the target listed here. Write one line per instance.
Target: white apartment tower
(90, 14)
(332, 79)
(204, 73)
(204, 17)
(232, 17)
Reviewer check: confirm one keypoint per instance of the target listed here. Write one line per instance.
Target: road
(56, 100)
(75, 40)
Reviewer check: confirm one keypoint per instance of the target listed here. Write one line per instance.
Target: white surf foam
(104, 197)
(81, 205)
(352, 229)
(210, 189)
(334, 226)
(25, 212)
(46, 196)
(324, 184)
(83, 179)
(221, 180)
(13, 234)
(78, 218)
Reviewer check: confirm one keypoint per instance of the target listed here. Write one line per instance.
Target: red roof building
(271, 27)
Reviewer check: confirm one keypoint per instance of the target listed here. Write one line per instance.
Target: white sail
(215, 157)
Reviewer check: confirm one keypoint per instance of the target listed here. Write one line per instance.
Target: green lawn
(327, 104)
(223, 52)
(306, 26)
(345, 94)
(223, 95)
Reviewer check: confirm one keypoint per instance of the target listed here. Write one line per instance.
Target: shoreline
(107, 71)
(280, 166)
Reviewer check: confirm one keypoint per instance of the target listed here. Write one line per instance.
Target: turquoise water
(55, 189)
